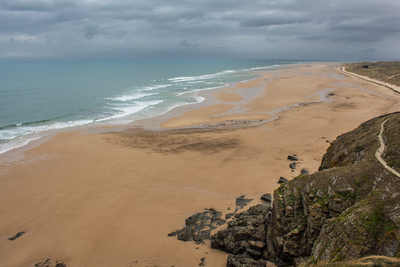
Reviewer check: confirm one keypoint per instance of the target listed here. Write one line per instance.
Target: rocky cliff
(347, 210)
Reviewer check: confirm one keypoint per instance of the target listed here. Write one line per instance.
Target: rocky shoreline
(347, 210)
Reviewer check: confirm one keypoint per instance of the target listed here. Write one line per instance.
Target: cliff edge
(347, 210)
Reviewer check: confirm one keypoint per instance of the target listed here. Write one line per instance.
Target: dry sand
(110, 199)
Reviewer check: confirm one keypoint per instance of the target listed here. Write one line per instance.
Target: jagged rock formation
(246, 233)
(199, 226)
(347, 210)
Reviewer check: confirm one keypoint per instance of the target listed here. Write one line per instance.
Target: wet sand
(111, 198)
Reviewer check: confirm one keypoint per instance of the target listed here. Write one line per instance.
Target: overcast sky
(277, 29)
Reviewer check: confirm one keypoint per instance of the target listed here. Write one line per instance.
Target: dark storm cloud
(258, 28)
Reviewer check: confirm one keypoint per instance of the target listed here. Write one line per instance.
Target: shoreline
(96, 126)
(104, 197)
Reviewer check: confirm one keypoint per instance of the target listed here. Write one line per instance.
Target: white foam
(201, 77)
(154, 87)
(199, 90)
(125, 110)
(199, 99)
(12, 133)
(22, 135)
(15, 144)
(260, 68)
(130, 97)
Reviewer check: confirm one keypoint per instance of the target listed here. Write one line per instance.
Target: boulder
(282, 180)
(267, 198)
(304, 171)
(199, 226)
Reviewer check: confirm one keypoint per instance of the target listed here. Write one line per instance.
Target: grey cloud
(91, 30)
(268, 20)
(35, 5)
(252, 29)
(370, 50)
(188, 44)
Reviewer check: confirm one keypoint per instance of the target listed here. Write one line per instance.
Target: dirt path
(392, 87)
(380, 150)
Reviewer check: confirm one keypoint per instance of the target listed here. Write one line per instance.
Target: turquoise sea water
(38, 97)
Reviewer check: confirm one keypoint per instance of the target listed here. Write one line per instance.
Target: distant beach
(109, 195)
(40, 98)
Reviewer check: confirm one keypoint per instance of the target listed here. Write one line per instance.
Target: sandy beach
(110, 198)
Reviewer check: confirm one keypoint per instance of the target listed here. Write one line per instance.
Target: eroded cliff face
(349, 209)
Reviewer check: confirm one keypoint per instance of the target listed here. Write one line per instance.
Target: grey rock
(243, 260)
(282, 180)
(246, 233)
(229, 215)
(18, 235)
(199, 226)
(266, 198)
(241, 202)
(304, 171)
(202, 262)
(50, 263)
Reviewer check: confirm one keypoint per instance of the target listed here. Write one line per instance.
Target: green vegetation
(372, 223)
(367, 261)
(391, 136)
(386, 71)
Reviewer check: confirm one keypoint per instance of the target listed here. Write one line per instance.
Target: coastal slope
(347, 210)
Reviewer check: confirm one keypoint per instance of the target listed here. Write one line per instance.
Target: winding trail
(379, 151)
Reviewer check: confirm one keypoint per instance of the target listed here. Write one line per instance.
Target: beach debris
(282, 180)
(292, 158)
(198, 227)
(18, 235)
(267, 198)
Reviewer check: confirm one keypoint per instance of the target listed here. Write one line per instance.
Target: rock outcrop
(347, 210)
(199, 226)
(246, 233)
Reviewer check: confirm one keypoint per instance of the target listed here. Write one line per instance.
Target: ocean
(37, 98)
